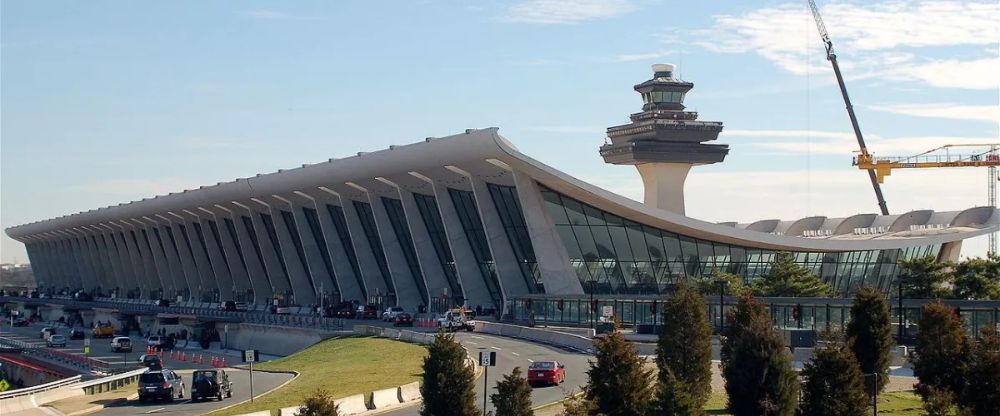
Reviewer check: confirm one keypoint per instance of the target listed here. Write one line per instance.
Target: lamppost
(722, 303)
(899, 299)
(592, 306)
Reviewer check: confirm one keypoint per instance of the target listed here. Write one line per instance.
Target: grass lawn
(343, 366)
(895, 404)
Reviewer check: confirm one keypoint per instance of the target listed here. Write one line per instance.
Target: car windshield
(543, 364)
(203, 376)
(151, 378)
(57, 338)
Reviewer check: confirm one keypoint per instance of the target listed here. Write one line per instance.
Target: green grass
(342, 366)
(903, 403)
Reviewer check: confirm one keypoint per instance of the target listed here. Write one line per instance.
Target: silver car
(56, 340)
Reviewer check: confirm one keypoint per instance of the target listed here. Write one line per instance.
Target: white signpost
(486, 360)
(251, 356)
(608, 311)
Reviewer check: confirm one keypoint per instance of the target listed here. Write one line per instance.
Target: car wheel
(219, 396)
(181, 394)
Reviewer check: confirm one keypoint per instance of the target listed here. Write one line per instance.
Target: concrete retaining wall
(273, 340)
(351, 405)
(260, 413)
(385, 398)
(289, 411)
(409, 392)
(545, 336)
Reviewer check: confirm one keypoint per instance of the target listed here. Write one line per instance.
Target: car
(151, 361)
(82, 296)
(22, 322)
(369, 311)
(56, 340)
(343, 310)
(546, 373)
(403, 319)
(390, 313)
(281, 310)
(160, 384)
(76, 334)
(233, 306)
(121, 344)
(163, 302)
(206, 384)
(46, 332)
(103, 330)
(156, 341)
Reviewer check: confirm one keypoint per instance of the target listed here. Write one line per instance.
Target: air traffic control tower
(664, 141)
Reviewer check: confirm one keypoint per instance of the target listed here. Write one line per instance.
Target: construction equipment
(832, 57)
(456, 319)
(981, 155)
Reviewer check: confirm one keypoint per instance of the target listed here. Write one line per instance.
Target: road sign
(86, 342)
(4, 385)
(608, 311)
(251, 356)
(487, 359)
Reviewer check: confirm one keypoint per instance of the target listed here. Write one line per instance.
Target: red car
(546, 372)
(403, 319)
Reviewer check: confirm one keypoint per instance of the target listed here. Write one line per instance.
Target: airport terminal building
(467, 219)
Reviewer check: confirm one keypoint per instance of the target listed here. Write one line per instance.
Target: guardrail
(80, 362)
(114, 382)
(39, 388)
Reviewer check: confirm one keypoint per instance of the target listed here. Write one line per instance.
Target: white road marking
(515, 354)
(498, 349)
(475, 337)
(472, 342)
(155, 410)
(530, 360)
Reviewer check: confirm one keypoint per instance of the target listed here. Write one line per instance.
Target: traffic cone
(223, 363)
(172, 355)
(184, 356)
(213, 362)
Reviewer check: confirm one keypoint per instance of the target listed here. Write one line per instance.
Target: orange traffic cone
(223, 363)
(213, 362)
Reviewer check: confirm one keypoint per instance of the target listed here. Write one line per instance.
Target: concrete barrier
(289, 411)
(351, 405)
(385, 398)
(410, 392)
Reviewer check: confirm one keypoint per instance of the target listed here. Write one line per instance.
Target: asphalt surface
(518, 353)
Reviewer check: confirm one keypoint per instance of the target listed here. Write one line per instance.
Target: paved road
(262, 382)
(517, 353)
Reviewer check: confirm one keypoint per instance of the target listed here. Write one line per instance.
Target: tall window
(367, 218)
(397, 217)
(509, 208)
(273, 236)
(312, 219)
(428, 208)
(472, 225)
(340, 223)
(248, 224)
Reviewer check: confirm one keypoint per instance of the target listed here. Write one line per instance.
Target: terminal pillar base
(663, 185)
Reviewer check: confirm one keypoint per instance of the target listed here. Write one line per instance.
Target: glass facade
(509, 208)
(428, 208)
(612, 255)
(397, 217)
(472, 225)
(312, 219)
(231, 228)
(273, 236)
(367, 219)
(340, 223)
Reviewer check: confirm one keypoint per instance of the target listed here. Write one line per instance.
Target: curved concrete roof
(482, 151)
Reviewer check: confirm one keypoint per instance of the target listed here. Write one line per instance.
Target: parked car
(76, 334)
(160, 384)
(390, 313)
(343, 310)
(151, 361)
(22, 322)
(207, 384)
(82, 296)
(369, 311)
(546, 372)
(121, 344)
(403, 319)
(156, 341)
(46, 332)
(56, 340)
(233, 306)
(163, 302)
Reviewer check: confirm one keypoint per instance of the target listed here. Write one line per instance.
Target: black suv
(163, 384)
(207, 384)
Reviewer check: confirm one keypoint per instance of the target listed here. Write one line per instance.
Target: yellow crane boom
(987, 156)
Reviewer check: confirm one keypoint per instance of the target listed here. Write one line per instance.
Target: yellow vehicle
(103, 330)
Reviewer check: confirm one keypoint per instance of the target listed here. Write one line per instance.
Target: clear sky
(111, 101)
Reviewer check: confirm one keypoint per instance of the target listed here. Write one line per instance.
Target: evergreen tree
(977, 278)
(939, 360)
(755, 363)
(684, 354)
(578, 405)
(982, 392)
(924, 277)
(787, 278)
(447, 386)
(513, 396)
(708, 285)
(618, 385)
(833, 384)
(869, 334)
(320, 403)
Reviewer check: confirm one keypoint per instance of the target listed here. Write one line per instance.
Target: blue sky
(106, 102)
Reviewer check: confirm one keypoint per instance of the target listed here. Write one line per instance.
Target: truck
(103, 330)
(456, 319)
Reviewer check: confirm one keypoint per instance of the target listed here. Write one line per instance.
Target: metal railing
(39, 388)
(109, 383)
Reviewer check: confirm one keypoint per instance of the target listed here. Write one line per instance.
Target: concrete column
(208, 286)
(102, 274)
(663, 185)
(263, 290)
(511, 281)
(233, 251)
(152, 256)
(553, 259)
(350, 281)
(173, 279)
(76, 279)
(179, 257)
(217, 256)
(35, 257)
(432, 272)
(374, 283)
(145, 255)
(277, 277)
(299, 275)
(138, 263)
(322, 281)
(118, 243)
(407, 293)
(112, 265)
(473, 281)
(88, 278)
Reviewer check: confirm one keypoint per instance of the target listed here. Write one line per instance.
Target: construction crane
(832, 57)
(980, 155)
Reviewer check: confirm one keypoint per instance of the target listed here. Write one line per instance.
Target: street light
(722, 303)
(592, 307)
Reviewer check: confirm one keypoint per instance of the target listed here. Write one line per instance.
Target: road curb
(99, 407)
(295, 376)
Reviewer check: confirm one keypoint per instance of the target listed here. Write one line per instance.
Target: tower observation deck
(664, 141)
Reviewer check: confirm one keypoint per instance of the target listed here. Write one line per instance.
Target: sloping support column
(511, 281)
(173, 277)
(553, 259)
(194, 237)
(118, 242)
(269, 250)
(300, 276)
(315, 247)
(141, 244)
(246, 232)
(348, 272)
(222, 230)
(179, 253)
(365, 248)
